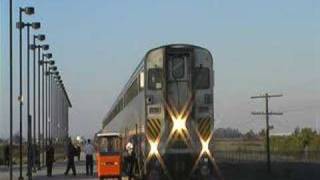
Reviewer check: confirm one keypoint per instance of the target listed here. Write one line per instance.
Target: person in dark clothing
(132, 163)
(37, 158)
(34, 158)
(71, 150)
(78, 152)
(49, 158)
(6, 155)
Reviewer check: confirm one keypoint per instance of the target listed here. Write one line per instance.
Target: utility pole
(267, 114)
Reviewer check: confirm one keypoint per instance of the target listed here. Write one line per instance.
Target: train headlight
(205, 146)
(153, 147)
(179, 123)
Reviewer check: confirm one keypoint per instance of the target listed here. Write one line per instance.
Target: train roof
(176, 46)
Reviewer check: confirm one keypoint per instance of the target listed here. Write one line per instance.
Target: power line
(267, 113)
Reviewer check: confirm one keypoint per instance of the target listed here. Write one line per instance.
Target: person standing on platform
(49, 158)
(131, 159)
(78, 152)
(71, 150)
(89, 151)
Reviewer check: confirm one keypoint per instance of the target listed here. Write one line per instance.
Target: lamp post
(34, 25)
(61, 108)
(11, 86)
(33, 47)
(55, 105)
(44, 47)
(52, 70)
(43, 62)
(27, 11)
(46, 100)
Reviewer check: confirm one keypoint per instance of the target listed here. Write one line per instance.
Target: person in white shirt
(89, 151)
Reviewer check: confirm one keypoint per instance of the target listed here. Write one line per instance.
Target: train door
(178, 79)
(109, 155)
(179, 97)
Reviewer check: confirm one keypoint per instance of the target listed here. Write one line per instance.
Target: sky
(258, 47)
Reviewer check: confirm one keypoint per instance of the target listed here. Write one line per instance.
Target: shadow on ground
(279, 171)
(61, 177)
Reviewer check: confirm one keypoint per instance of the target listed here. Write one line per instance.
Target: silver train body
(166, 110)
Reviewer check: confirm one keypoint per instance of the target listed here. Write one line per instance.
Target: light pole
(61, 108)
(52, 70)
(27, 11)
(33, 47)
(46, 99)
(34, 25)
(11, 87)
(55, 105)
(44, 47)
(43, 62)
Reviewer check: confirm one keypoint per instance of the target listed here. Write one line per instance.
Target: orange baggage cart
(108, 155)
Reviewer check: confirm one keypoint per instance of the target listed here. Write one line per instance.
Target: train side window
(201, 78)
(141, 78)
(154, 78)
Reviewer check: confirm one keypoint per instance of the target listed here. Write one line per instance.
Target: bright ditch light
(179, 124)
(153, 147)
(205, 146)
(179, 120)
(205, 152)
(154, 152)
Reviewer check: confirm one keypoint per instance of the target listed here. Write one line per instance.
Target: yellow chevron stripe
(204, 128)
(151, 134)
(153, 128)
(151, 131)
(203, 125)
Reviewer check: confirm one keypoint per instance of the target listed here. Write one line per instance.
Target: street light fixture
(28, 10)
(53, 68)
(40, 37)
(20, 26)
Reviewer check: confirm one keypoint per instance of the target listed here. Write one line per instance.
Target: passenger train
(166, 111)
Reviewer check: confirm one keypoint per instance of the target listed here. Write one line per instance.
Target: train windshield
(178, 66)
(109, 144)
(201, 78)
(154, 78)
